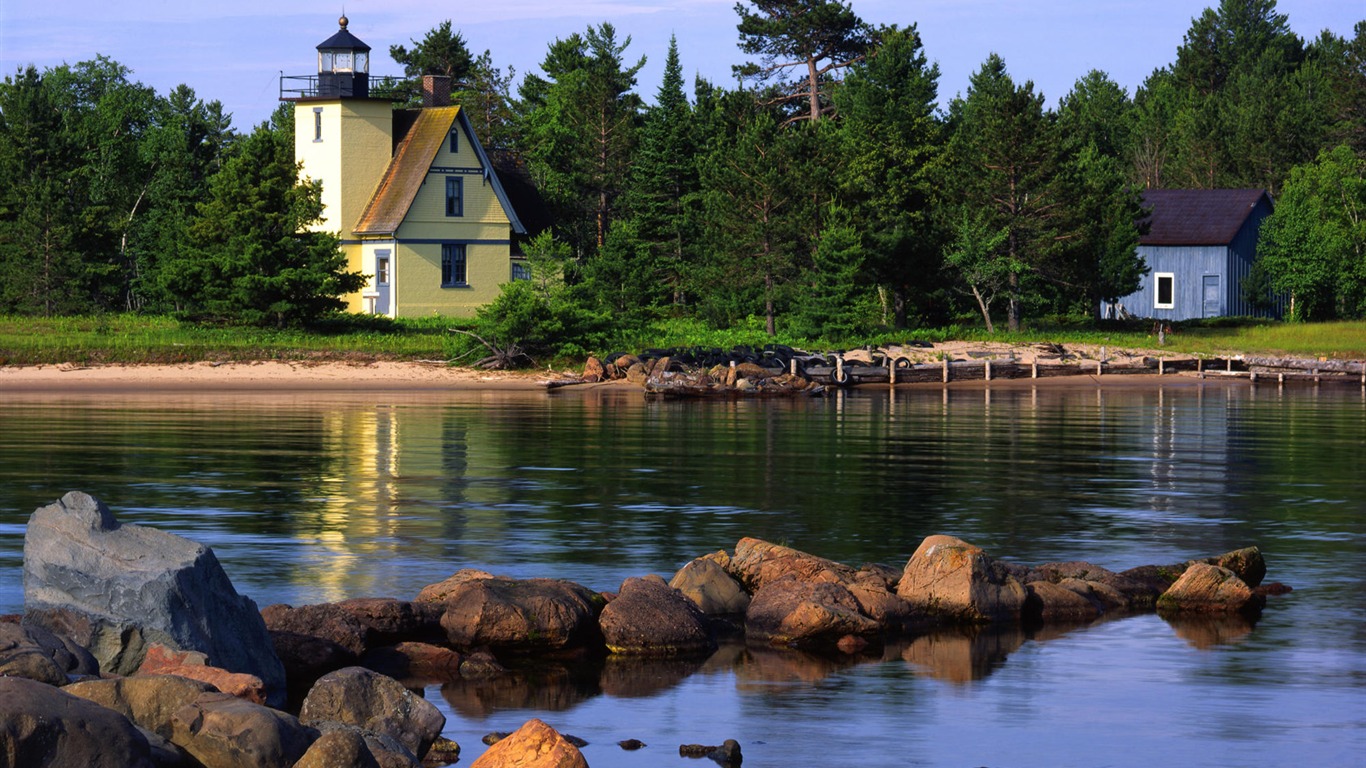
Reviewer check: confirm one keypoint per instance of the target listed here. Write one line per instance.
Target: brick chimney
(436, 91)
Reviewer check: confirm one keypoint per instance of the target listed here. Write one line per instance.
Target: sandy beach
(276, 376)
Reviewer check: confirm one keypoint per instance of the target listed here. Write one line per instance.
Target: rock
(631, 745)
(534, 745)
(326, 620)
(709, 586)
(951, 579)
(36, 653)
(593, 370)
(357, 696)
(149, 701)
(531, 615)
(338, 749)
(1246, 563)
(223, 731)
(22, 655)
(44, 726)
(636, 374)
(387, 751)
(650, 618)
(1116, 591)
(1153, 580)
(880, 604)
(126, 586)
(443, 752)
(438, 592)
(307, 658)
(390, 621)
(757, 563)
(806, 614)
(421, 661)
(1049, 602)
(161, 660)
(728, 754)
(1205, 588)
(481, 665)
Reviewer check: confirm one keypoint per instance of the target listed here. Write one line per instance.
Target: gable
(1198, 216)
(413, 159)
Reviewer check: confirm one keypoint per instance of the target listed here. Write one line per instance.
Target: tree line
(825, 195)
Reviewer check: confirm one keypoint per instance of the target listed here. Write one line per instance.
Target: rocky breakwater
(75, 697)
(667, 376)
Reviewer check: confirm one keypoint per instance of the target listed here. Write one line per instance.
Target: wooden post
(1098, 365)
(945, 361)
(1228, 361)
(1161, 368)
(1253, 376)
(839, 370)
(1034, 371)
(793, 367)
(987, 375)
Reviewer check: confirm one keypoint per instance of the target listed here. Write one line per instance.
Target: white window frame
(1157, 290)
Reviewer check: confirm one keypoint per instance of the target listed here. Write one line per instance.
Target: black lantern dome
(343, 65)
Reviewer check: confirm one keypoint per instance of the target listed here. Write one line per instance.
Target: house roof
(408, 169)
(1198, 216)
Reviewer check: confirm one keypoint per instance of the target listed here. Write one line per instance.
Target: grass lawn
(132, 339)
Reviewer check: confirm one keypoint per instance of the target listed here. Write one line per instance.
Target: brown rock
(438, 592)
(443, 752)
(534, 745)
(757, 563)
(951, 579)
(22, 656)
(44, 726)
(161, 660)
(530, 615)
(880, 604)
(755, 372)
(709, 586)
(1049, 602)
(806, 614)
(149, 700)
(338, 749)
(391, 621)
(636, 374)
(223, 731)
(366, 699)
(593, 370)
(650, 618)
(307, 658)
(1205, 588)
(1247, 563)
(387, 751)
(422, 661)
(325, 620)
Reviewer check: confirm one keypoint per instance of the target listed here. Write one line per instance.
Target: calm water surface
(312, 498)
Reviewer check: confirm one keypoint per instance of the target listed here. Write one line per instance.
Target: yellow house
(417, 204)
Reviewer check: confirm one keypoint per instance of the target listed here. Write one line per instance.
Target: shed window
(453, 265)
(1166, 290)
(521, 271)
(455, 196)
(455, 140)
(317, 123)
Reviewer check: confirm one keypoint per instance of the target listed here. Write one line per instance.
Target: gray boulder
(116, 589)
(951, 579)
(650, 618)
(357, 696)
(42, 727)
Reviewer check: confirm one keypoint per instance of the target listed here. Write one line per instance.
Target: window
(382, 270)
(455, 196)
(317, 123)
(1166, 290)
(455, 140)
(521, 271)
(453, 265)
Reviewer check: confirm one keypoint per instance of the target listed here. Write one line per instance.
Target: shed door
(1212, 303)
(383, 281)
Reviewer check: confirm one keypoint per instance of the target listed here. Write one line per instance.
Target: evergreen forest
(825, 194)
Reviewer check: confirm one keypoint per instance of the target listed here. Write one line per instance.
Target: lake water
(312, 498)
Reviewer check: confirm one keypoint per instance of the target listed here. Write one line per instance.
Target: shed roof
(1198, 216)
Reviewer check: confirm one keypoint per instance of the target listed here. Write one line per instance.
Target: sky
(235, 51)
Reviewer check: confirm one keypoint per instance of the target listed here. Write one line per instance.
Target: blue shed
(1199, 248)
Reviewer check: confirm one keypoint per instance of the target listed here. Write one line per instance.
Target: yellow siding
(417, 279)
(356, 146)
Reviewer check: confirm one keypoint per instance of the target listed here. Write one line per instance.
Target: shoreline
(414, 377)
